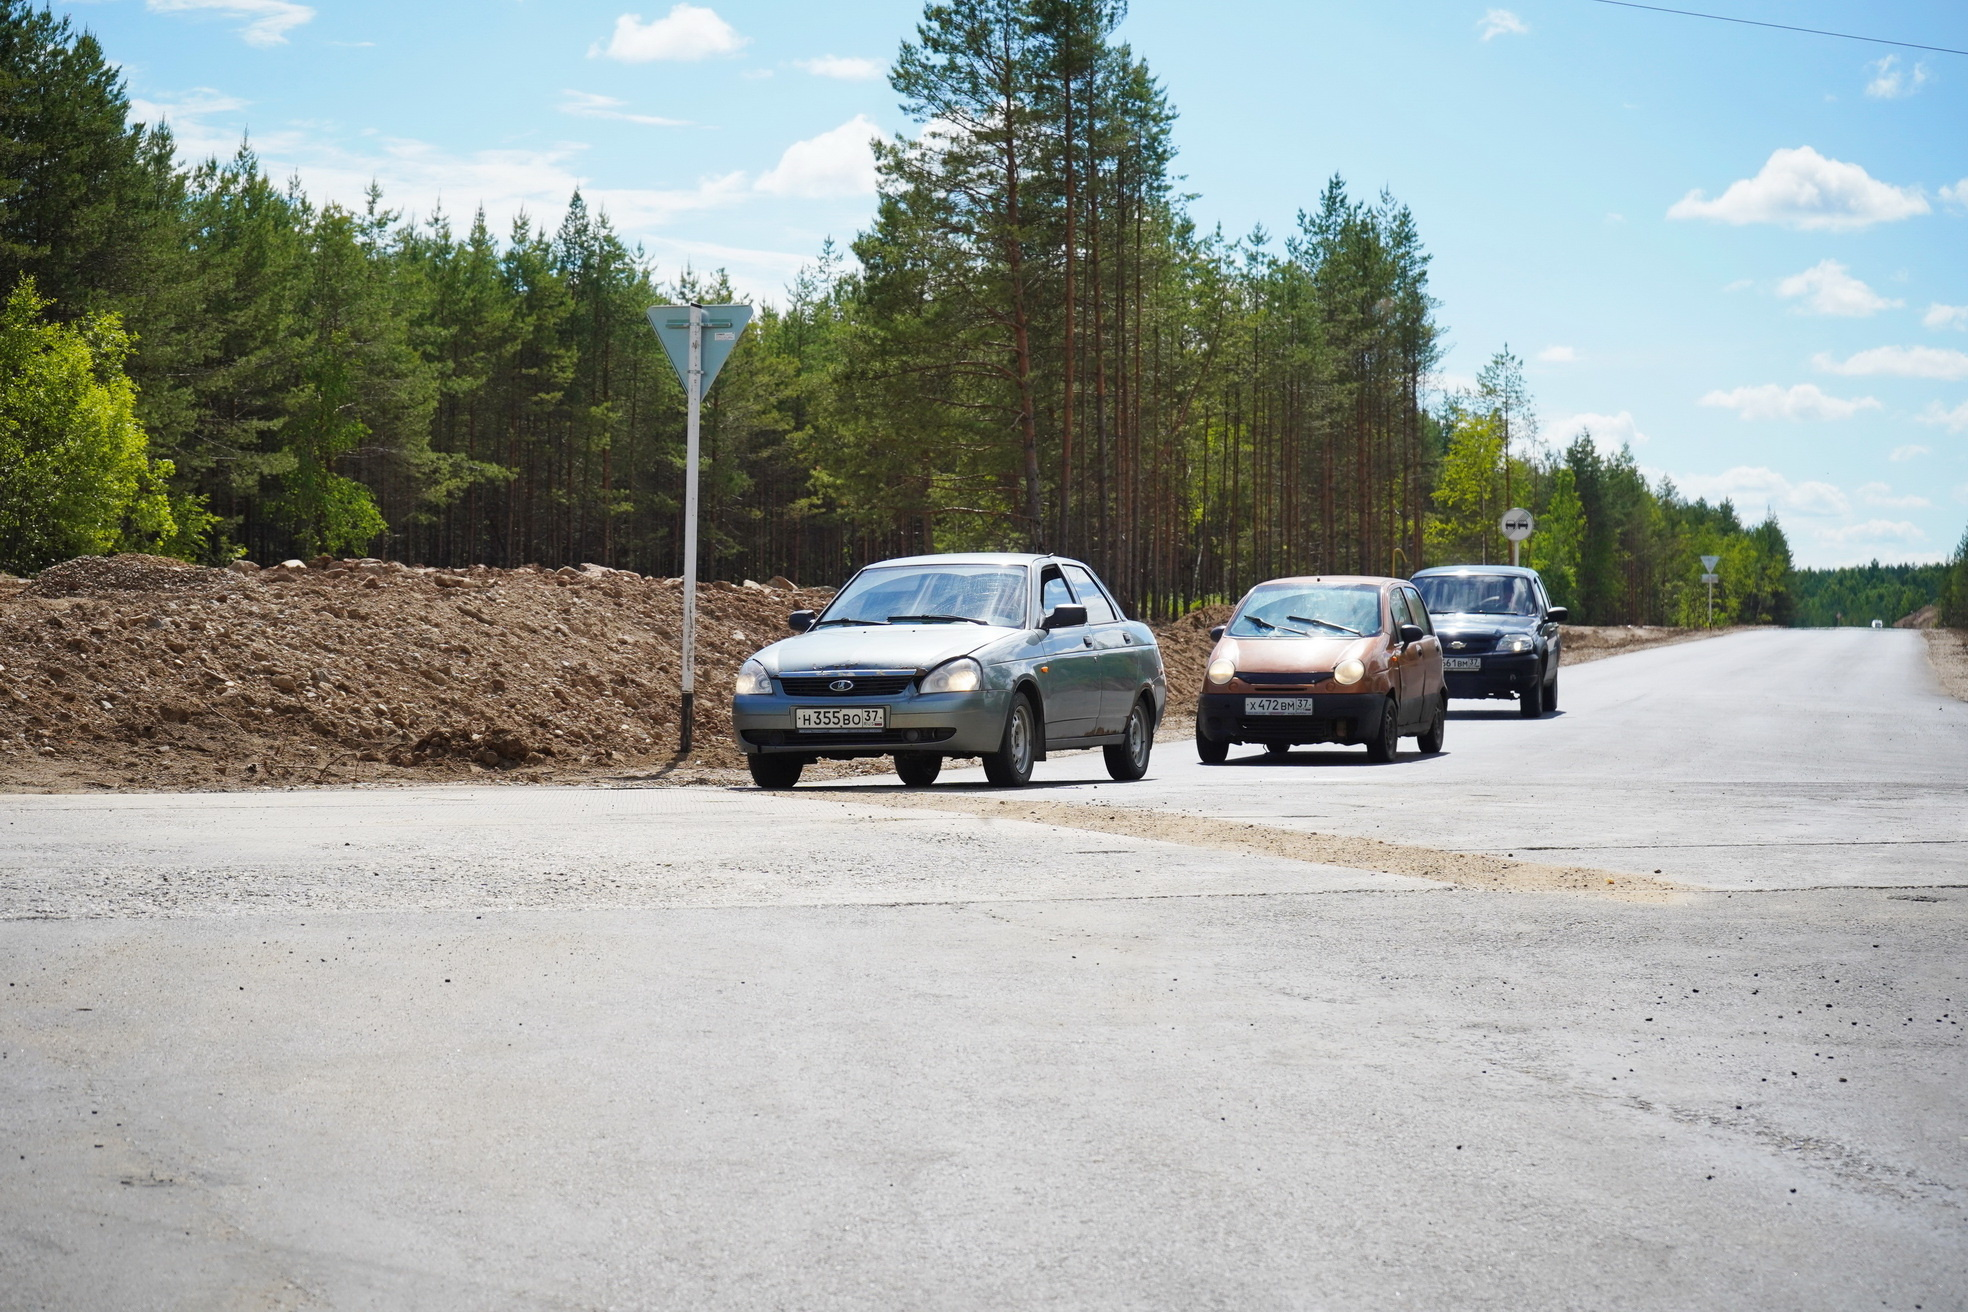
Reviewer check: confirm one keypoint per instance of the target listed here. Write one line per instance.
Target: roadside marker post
(698, 339)
(1517, 525)
(1710, 577)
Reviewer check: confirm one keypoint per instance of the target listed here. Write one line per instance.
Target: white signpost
(698, 339)
(1710, 577)
(1517, 525)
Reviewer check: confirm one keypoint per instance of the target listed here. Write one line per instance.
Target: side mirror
(801, 620)
(1216, 632)
(1065, 617)
(1411, 633)
(1557, 614)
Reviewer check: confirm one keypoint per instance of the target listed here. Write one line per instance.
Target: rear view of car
(1499, 632)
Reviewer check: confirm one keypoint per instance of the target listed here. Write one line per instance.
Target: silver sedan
(997, 656)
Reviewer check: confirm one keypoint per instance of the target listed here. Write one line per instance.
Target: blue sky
(1743, 251)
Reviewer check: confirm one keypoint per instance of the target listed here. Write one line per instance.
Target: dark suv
(1499, 633)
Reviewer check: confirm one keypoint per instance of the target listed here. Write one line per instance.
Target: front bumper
(1337, 717)
(952, 723)
(1501, 676)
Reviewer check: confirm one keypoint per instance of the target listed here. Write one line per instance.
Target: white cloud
(1956, 195)
(1802, 189)
(1828, 289)
(1891, 82)
(1899, 362)
(1740, 284)
(1946, 316)
(586, 104)
(846, 68)
(1911, 451)
(195, 137)
(1749, 485)
(1896, 532)
(687, 32)
(1501, 22)
(1607, 430)
(1955, 420)
(1879, 494)
(1558, 355)
(835, 163)
(266, 21)
(1772, 401)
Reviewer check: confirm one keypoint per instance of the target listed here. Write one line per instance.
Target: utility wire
(1783, 27)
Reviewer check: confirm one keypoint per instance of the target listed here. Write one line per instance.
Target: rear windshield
(1308, 610)
(1478, 594)
(933, 594)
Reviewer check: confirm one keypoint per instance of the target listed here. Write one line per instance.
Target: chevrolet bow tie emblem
(1456, 646)
(841, 685)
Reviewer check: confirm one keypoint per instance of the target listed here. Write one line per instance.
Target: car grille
(861, 685)
(1473, 644)
(1290, 679)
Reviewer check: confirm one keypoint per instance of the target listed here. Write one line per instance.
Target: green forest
(1031, 345)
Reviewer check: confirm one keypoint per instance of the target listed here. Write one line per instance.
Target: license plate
(1462, 662)
(840, 719)
(1277, 706)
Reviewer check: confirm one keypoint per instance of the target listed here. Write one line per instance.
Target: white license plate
(1462, 662)
(1277, 706)
(845, 719)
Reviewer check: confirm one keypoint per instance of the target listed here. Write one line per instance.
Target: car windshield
(1309, 610)
(933, 594)
(1478, 594)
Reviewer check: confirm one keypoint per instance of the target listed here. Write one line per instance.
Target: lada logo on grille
(842, 685)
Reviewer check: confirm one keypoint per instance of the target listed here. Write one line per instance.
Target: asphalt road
(573, 1048)
(1779, 758)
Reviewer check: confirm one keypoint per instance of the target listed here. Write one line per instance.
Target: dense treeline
(1860, 594)
(1033, 346)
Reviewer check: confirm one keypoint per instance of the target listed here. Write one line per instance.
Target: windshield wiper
(936, 619)
(847, 620)
(1328, 623)
(1279, 628)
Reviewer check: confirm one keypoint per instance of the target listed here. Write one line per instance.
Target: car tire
(1385, 745)
(1208, 750)
(918, 769)
(1551, 693)
(1011, 765)
(775, 771)
(1127, 760)
(1438, 728)
(1530, 702)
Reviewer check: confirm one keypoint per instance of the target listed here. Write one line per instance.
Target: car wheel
(1011, 765)
(1127, 760)
(918, 769)
(1208, 750)
(1438, 728)
(1530, 702)
(1385, 745)
(1551, 693)
(775, 771)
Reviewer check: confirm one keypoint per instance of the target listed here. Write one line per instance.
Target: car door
(1428, 656)
(1406, 658)
(1069, 665)
(1119, 659)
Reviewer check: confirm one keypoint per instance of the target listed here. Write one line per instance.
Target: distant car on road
(1499, 631)
(1328, 659)
(1002, 657)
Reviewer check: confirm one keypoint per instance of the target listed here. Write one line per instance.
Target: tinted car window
(1090, 595)
(1478, 594)
(1419, 611)
(1309, 610)
(991, 594)
(1054, 592)
(1398, 604)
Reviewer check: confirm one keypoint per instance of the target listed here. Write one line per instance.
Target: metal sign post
(1710, 577)
(682, 330)
(1517, 525)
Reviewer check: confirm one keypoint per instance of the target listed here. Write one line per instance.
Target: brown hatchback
(1328, 659)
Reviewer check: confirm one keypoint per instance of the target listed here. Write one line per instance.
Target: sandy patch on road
(1947, 651)
(1466, 869)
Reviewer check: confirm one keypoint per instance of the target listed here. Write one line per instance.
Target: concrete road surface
(1778, 758)
(582, 1049)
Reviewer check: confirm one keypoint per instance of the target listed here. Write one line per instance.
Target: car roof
(1375, 579)
(972, 558)
(1522, 571)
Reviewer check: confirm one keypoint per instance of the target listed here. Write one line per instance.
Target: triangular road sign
(1708, 563)
(723, 326)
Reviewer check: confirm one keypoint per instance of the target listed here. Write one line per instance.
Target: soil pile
(132, 672)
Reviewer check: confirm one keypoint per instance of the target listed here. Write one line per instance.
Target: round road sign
(1517, 523)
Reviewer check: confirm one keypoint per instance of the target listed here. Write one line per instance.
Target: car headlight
(753, 681)
(960, 675)
(1222, 670)
(1518, 643)
(1349, 670)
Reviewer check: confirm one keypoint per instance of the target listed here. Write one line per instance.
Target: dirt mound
(88, 576)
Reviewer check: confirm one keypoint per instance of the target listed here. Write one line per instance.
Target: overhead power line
(1782, 27)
